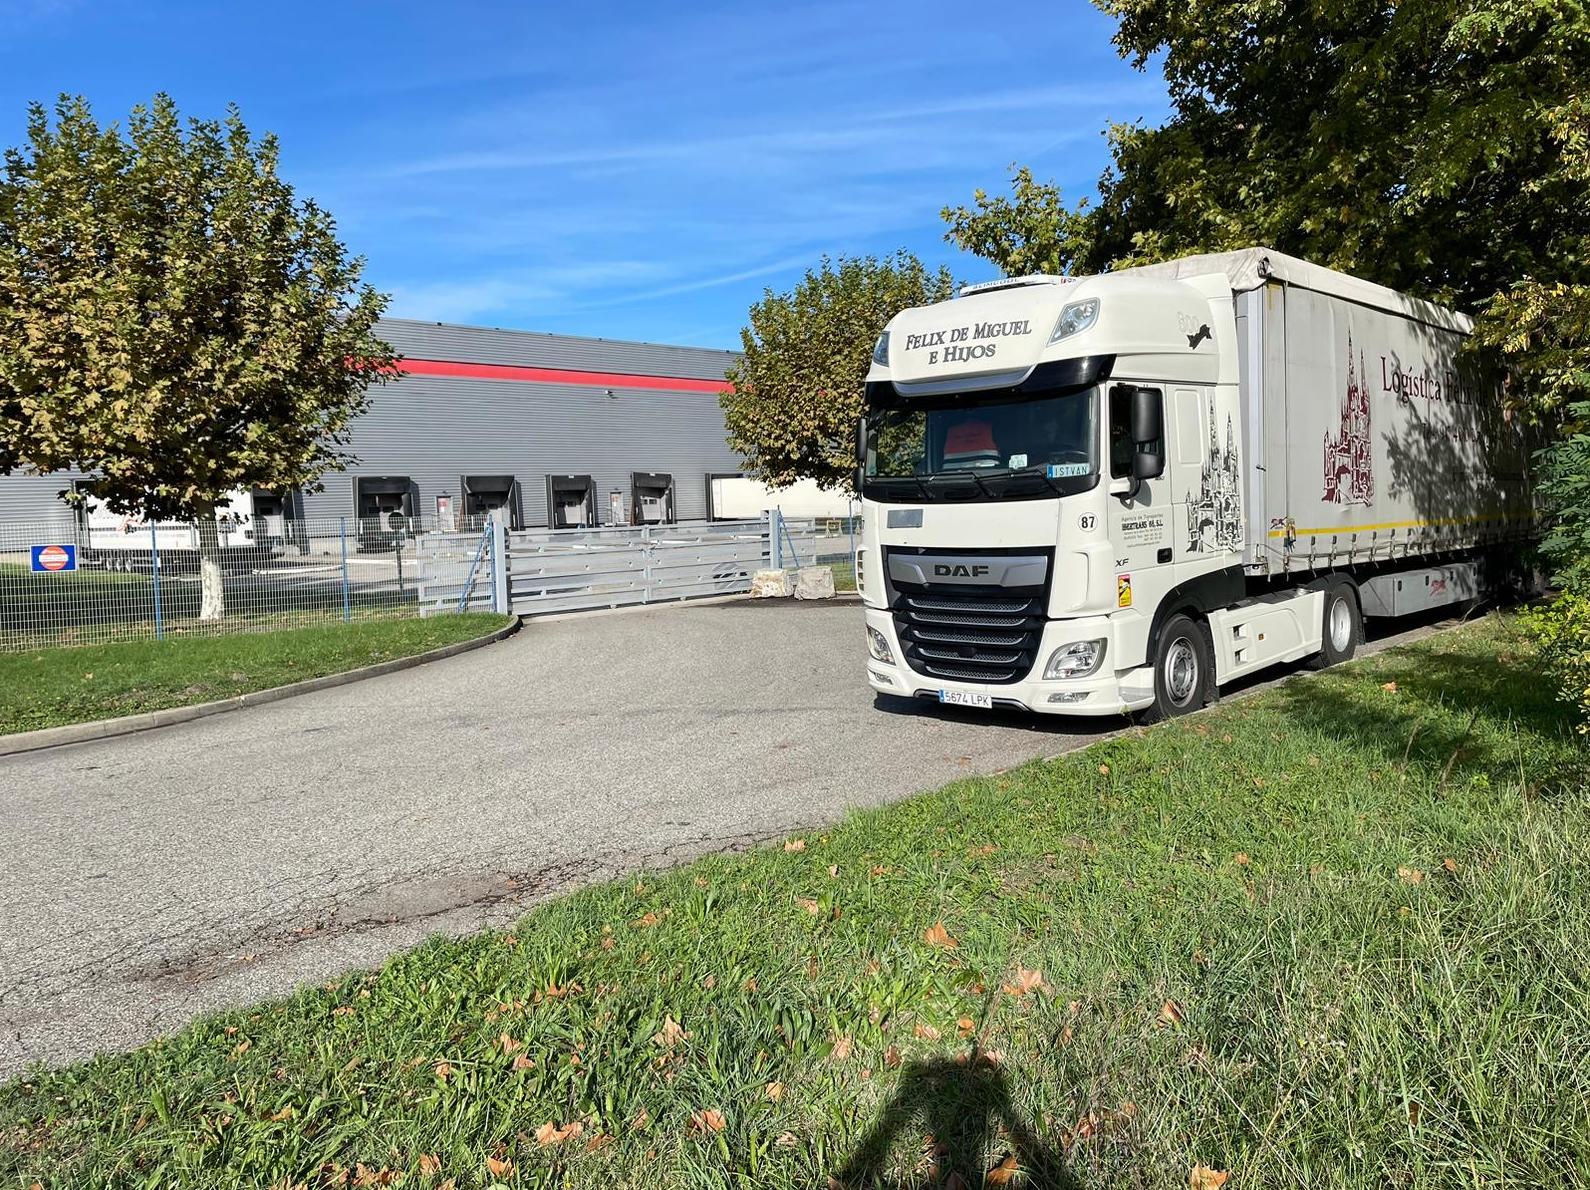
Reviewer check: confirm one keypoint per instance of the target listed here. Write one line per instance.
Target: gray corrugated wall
(436, 430)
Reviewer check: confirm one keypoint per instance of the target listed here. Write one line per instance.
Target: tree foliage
(798, 384)
(173, 321)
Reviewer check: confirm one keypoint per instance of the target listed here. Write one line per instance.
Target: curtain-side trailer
(1115, 493)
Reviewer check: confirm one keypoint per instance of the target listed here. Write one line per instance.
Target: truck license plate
(967, 698)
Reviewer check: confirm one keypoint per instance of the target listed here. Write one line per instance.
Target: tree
(798, 384)
(173, 321)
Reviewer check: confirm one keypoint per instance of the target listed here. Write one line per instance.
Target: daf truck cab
(1105, 494)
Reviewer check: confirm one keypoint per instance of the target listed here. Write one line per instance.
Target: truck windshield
(983, 445)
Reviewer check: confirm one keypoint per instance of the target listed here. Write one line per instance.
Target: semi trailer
(1116, 493)
(249, 529)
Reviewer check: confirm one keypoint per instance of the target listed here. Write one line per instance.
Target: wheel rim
(1341, 624)
(1181, 671)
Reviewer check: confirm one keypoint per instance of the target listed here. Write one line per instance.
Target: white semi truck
(250, 528)
(1096, 495)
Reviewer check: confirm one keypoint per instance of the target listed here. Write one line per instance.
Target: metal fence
(544, 571)
(63, 583)
(66, 583)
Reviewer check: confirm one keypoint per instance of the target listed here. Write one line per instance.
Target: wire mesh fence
(104, 580)
(67, 583)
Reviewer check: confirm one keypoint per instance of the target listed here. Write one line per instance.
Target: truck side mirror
(1147, 464)
(861, 451)
(1147, 416)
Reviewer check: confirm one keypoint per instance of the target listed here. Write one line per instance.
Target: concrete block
(770, 584)
(814, 582)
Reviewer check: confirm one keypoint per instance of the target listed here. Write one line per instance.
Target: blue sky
(615, 169)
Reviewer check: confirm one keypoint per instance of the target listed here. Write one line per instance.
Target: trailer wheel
(1343, 628)
(1184, 669)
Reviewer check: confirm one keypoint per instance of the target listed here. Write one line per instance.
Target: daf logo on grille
(980, 570)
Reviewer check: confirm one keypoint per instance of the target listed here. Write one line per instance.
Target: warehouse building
(557, 430)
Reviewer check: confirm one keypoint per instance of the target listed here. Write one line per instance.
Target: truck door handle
(1162, 556)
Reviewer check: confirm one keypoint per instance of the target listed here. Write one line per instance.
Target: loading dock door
(571, 502)
(484, 494)
(384, 505)
(651, 498)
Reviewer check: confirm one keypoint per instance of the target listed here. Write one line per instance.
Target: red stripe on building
(522, 375)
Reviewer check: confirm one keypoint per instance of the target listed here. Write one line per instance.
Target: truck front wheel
(1343, 628)
(1183, 669)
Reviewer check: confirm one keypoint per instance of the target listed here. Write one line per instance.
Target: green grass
(50, 687)
(1254, 956)
(844, 576)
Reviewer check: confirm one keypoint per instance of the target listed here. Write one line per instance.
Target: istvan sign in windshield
(961, 344)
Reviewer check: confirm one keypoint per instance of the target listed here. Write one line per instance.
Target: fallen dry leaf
(1004, 1172)
(363, 1175)
(1170, 1013)
(773, 1092)
(1066, 1034)
(842, 1047)
(550, 1134)
(965, 1025)
(937, 935)
(645, 921)
(787, 1140)
(833, 871)
(343, 1010)
(508, 1042)
(808, 904)
(1104, 770)
(892, 1058)
(1204, 1178)
(1450, 864)
(600, 1140)
(442, 1069)
(794, 844)
(707, 1120)
(1390, 686)
(285, 1113)
(1410, 875)
(1241, 859)
(241, 1048)
(670, 1035)
(1025, 981)
(430, 1165)
(926, 1031)
(499, 1167)
(522, 1062)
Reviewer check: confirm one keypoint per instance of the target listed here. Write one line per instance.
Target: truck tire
(1184, 669)
(1343, 628)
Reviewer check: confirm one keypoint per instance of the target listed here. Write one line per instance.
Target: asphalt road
(155, 877)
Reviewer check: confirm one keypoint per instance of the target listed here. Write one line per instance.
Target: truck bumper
(1108, 692)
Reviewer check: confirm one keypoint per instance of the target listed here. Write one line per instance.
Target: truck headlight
(878, 646)
(1076, 660)
(880, 352)
(1075, 318)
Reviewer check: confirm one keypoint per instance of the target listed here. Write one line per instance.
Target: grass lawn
(49, 687)
(844, 576)
(1337, 934)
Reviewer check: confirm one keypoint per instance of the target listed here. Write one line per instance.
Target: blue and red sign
(49, 559)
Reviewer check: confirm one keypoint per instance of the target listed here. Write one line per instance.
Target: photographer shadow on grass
(963, 1107)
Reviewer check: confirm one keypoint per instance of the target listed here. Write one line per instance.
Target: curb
(100, 729)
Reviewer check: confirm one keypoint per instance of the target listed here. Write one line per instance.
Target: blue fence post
(347, 610)
(154, 573)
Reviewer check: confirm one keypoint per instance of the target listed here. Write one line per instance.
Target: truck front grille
(969, 636)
